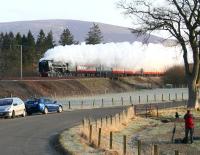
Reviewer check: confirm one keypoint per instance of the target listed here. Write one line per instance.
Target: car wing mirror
(55, 102)
(14, 104)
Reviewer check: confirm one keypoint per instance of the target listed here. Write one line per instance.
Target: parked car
(12, 107)
(43, 105)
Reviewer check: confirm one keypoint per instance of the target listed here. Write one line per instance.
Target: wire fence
(136, 99)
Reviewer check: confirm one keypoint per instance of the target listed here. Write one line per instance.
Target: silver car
(12, 107)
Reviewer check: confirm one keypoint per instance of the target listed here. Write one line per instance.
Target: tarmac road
(32, 135)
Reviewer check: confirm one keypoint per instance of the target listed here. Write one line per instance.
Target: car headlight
(8, 109)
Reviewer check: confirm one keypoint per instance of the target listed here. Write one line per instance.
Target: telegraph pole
(21, 63)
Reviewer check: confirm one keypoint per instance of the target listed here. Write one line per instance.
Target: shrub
(175, 75)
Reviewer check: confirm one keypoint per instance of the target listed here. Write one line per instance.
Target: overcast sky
(104, 11)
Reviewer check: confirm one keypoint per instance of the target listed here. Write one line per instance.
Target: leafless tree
(181, 18)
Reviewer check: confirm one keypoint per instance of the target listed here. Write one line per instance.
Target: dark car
(42, 105)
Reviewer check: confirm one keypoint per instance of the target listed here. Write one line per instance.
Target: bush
(175, 75)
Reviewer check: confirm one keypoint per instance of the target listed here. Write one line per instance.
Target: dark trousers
(187, 131)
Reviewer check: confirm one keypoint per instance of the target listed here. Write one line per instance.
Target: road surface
(32, 135)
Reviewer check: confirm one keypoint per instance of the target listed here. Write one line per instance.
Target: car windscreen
(30, 102)
(5, 102)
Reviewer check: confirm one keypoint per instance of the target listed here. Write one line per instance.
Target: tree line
(33, 49)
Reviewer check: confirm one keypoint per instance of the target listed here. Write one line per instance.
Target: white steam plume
(136, 56)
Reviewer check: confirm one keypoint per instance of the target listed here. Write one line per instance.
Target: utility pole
(21, 63)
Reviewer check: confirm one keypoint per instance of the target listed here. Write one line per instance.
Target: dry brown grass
(170, 112)
(119, 122)
(118, 125)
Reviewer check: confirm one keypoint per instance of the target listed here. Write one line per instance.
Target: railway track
(35, 78)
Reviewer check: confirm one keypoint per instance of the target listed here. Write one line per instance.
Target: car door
(54, 105)
(21, 106)
(48, 104)
(16, 107)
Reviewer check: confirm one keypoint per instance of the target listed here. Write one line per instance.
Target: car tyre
(13, 114)
(24, 113)
(45, 110)
(60, 109)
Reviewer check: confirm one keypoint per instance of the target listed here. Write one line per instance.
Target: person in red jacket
(189, 126)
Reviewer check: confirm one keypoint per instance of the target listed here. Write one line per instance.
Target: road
(32, 135)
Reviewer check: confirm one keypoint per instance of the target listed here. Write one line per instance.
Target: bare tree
(181, 18)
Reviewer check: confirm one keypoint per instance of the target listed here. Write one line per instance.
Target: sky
(104, 11)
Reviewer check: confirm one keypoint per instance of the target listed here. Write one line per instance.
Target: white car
(11, 107)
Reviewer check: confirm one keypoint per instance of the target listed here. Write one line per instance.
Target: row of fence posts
(121, 117)
(124, 140)
(130, 100)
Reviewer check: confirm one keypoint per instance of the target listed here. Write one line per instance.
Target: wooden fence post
(157, 111)
(110, 119)
(122, 100)
(93, 103)
(130, 100)
(69, 105)
(176, 152)
(146, 111)
(106, 120)
(99, 138)
(90, 134)
(101, 121)
(147, 98)
(81, 104)
(135, 110)
(162, 98)
(169, 97)
(154, 97)
(182, 95)
(175, 96)
(88, 122)
(96, 123)
(124, 145)
(112, 101)
(155, 149)
(139, 99)
(139, 147)
(111, 138)
(102, 102)
(83, 123)
(119, 117)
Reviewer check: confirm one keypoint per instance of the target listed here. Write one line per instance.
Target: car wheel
(60, 109)
(24, 113)
(13, 114)
(45, 110)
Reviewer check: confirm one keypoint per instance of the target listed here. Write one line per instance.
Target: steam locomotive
(50, 68)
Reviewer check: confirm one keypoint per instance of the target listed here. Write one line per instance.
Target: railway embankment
(73, 87)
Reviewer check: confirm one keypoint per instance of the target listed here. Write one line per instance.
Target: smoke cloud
(136, 56)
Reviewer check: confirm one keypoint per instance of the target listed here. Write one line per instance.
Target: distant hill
(79, 29)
